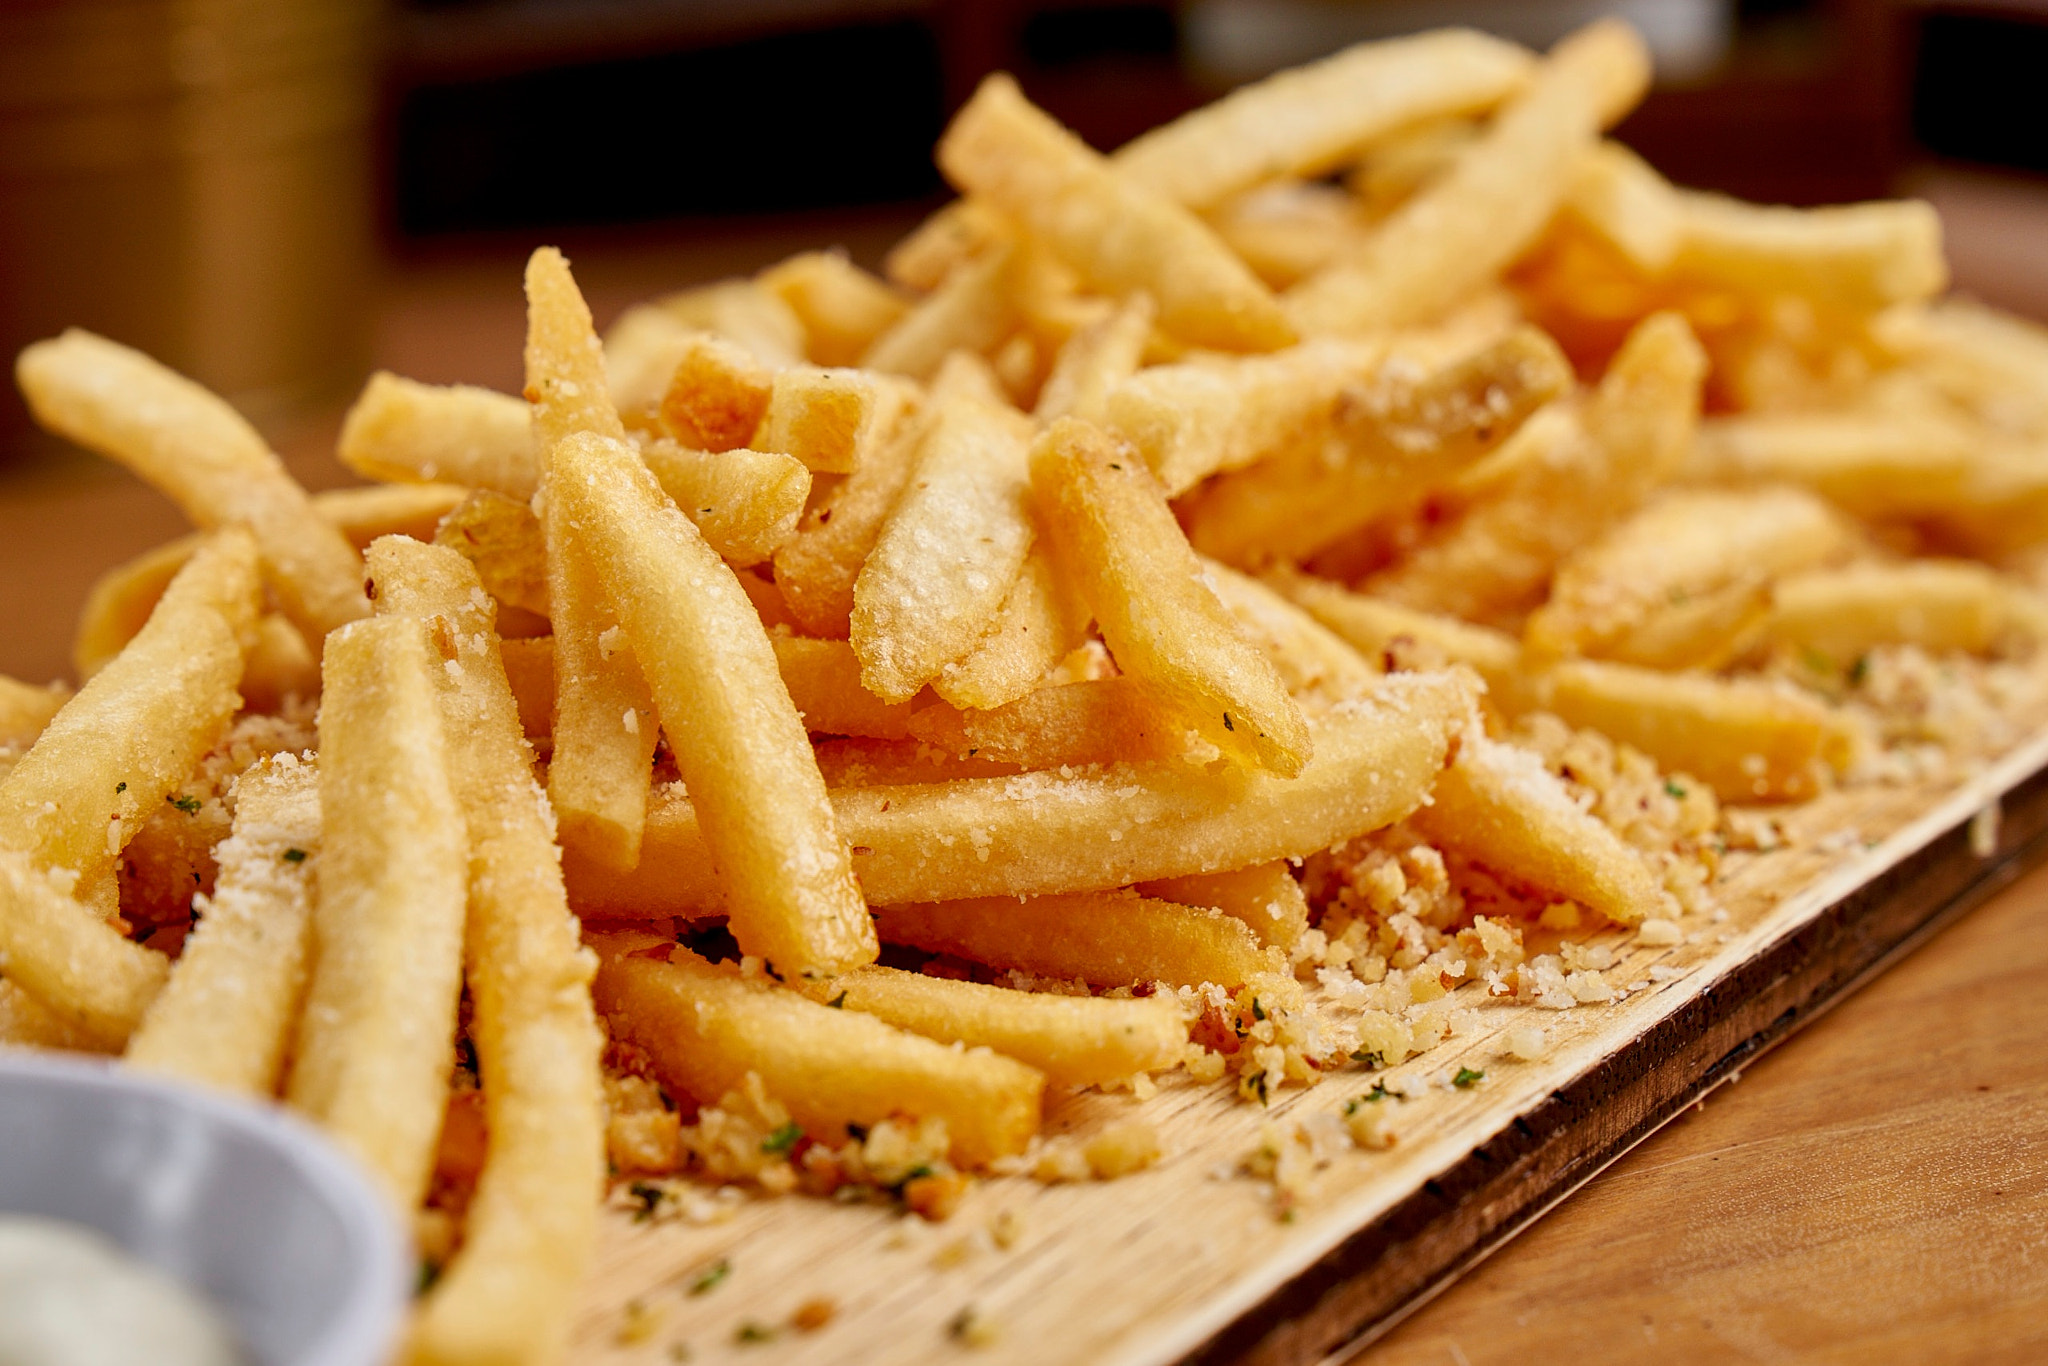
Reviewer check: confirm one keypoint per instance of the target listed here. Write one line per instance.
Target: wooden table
(1874, 1190)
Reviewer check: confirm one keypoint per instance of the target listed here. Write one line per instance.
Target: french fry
(1851, 258)
(1117, 235)
(831, 420)
(1316, 664)
(746, 502)
(377, 1041)
(817, 567)
(530, 1226)
(400, 429)
(641, 350)
(25, 1023)
(970, 310)
(1396, 436)
(855, 761)
(117, 751)
(1107, 938)
(1193, 419)
(226, 1014)
(823, 678)
(706, 1027)
(1398, 165)
(1993, 365)
(1938, 605)
(1499, 806)
(950, 549)
(843, 308)
(716, 394)
(1112, 533)
(604, 727)
(1094, 361)
(1040, 623)
(1308, 121)
(1098, 721)
(202, 455)
(1074, 1040)
(1686, 581)
(26, 709)
(1492, 203)
(1495, 560)
(1288, 230)
(744, 311)
(502, 538)
(1039, 833)
(961, 231)
(1375, 628)
(1266, 897)
(79, 972)
(743, 753)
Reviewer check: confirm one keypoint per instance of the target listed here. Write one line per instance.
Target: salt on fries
(1205, 605)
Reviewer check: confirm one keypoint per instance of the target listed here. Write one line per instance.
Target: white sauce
(69, 1297)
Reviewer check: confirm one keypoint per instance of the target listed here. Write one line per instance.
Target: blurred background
(274, 196)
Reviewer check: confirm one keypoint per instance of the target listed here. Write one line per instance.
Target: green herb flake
(294, 856)
(838, 1002)
(1817, 660)
(783, 1139)
(1378, 1093)
(430, 1271)
(1860, 670)
(649, 1197)
(1258, 1011)
(1371, 1058)
(119, 788)
(751, 1333)
(188, 805)
(708, 1279)
(1674, 789)
(1467, 1079)
(1226, 722)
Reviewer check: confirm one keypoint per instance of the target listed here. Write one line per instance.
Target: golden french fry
(1118, 235)
(716, 394)
(1840, 614)
(1317, 665)
(950, 549)
(1395, 437)
(1288, 230)
(855, 761)
(831, 420)
(1495, 560)
(1095, 361)
(1851, 257)
(400, 429)
(1112, 938)
(530, 667)
(1098, 721)
(1874, 463)
(377, 1041)
(745, 311)
(26, 709)
(226, 1015)
(1267, 897)
(1486, 210)
(78, 970)
(817, 567)
(1623, 200)
(1686, 581)
(961, 231)
(118, 750)
(1310, 120)
(1074, 1040)
(26, 1023)
(641, 351)
(604, 727)
(1994, 365)
(202, 455)
(502, 538)
(1498, 805)
(1112, 533)
(1040, 623)
(823, 678)
(1037, 833)
(843, 308)
(706, 1027)
(529, 1228)
(1375, 628)
(743, 752)
(746, 502)
(970, 310)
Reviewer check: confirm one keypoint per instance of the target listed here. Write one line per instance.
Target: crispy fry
(77, 969)
(1113, 534)
(25, 1023)
(856, 761)
(502, 538)
(1498, 805)
(716, 394)
(1107, 938)
(706, 1027)
(1316, 664)
(203, 456)
(1074, 1040)
(26, 709)
(1490, 205)
(1045, 832)
(961, 231)
(1040, 623)
(1308, 121)
(529, 1228)
(971, 310)
(227, 1012)
(746, 502)
(117, 750)
(1095, 361)
(831, 420)
(1099, 721)
(1287, 230)
(823, 678)
(604, 727)
(843, 308)
(1841, 614)
(743, 752)
(400, 429)
(817, 567)
(1119, 236)
(1686, 582)
(1494, 561)
(1376, 628)
(950, 549)
(1266, 897)
(744, 311)
(1396, 437)
(377, 1041)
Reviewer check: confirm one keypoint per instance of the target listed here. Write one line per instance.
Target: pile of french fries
(1307, 497)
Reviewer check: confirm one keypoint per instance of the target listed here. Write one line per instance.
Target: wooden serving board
(1186, 1262)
